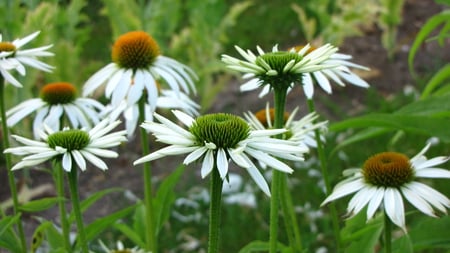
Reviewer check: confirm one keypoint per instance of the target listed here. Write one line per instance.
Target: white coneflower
(217, 138)
(12, 57)
(57, 100)
(72, 146)
(386, 178)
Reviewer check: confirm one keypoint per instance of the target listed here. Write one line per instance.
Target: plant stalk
(75, 198)
(58, 174)
(214, 211)
(387, 234)
(151, 241)
(326, 179)
(8, 163)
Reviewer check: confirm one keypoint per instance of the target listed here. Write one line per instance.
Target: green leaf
(96, 227)
(424, 32)
(360, 136)
(165, 197)
(421, 124)
(8, 238)
(260, 246)
(54, 237)
(130, 234)
(40, 204)
(362, 236)
(430, 233)
(435, 106)
(403, 245)
(440, 77)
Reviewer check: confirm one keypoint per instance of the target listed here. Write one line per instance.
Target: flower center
(222, 129)
(277, 62)
(58, 93)
(261, 115)
(73, 139)
(7, 47)
(388, 169)
(135, 50)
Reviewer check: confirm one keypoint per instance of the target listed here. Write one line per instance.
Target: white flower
(11, 57)
(301, 130)
(328, 65)
(70, 145)
(217, 138)
(386, 179)
(57, 100)
(168, 99)
(136, 67)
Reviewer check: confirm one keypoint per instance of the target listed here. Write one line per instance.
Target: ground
(386, 76)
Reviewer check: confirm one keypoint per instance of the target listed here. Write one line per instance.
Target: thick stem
(326, 179)
(151, 241)
(75, 198)
(58, 174)
(280, 103)
(214, 211)
(11, 179)
(387, 234)
(294, 236)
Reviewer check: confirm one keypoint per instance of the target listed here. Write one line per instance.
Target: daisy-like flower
(302, 65)
(120, 248)
(386, 178)
(56, 101)
(137, 64)
(168, 99)
(11, 57)
(301, 130)
(216, 138)
(71, 146)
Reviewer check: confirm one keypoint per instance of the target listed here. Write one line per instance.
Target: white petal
(433, 173)
(196, 154)
(375, 202)
(222, 163)
(208, 163)
(342, 190)
(97, 162)
(417, 201)
(393, 206)
(79, 159)
(67, 162)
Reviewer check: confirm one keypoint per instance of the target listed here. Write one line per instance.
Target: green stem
(75, 198)
(326, 179)
(58, 174)
(11, 179)
(387, 234)
(214, 211)
(151, 241)
(295, 240)
(280, 103)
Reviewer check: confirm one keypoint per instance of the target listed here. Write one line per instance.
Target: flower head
(304, 65)
(57, 100)
(278, 69)
(11, 57)
(137, 64)
(217, 138)
(71, 146)
(301, 131)
(387, 178)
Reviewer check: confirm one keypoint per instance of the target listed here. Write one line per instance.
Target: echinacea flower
(57, 100)
(137, 64)
(168, 99)
(301, 130)
(278, 69)
(386, 178)
(329, 65)
(11, 57)
(215, 139)
(72, 146)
